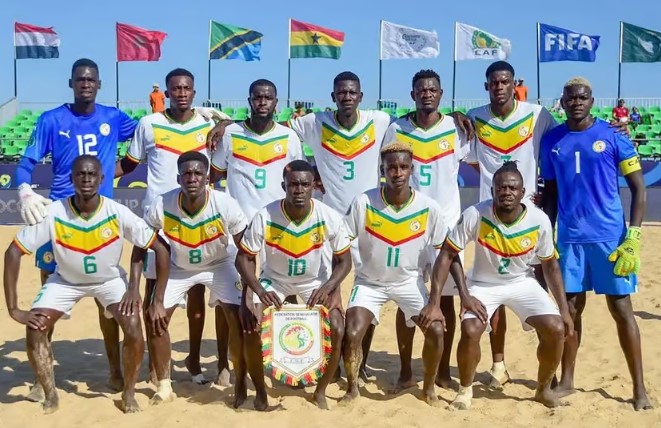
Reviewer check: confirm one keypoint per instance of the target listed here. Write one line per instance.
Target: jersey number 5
(86, 144)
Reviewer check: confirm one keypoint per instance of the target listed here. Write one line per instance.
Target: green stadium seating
(141, 112)
(229, 111)
(287, 110)
(446, 110)
(643, 128)
(388, 110)
(284, 116)
(595, 111)
(401, 111)
(11, 151)
(307, 151)
(654, 109)
(128, 111)
(646, 150)
(242, 110)
(239, 115)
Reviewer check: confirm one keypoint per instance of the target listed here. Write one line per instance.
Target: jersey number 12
(86, 144)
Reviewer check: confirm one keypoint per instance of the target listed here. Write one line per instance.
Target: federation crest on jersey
(200, 138)
(211, 229)
(104, 129)
(523, 131)
(47, 257)
(526, 243)
(444, 144)
(106, 233)
(365, 139)
(414, 226)
(314, 237)
(599, 146)
(277, 147)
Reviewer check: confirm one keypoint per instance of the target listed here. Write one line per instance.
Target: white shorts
(450, 288)
(303, 291)
(61, 295)
(410, 298)
(526, 298)
(222, 280)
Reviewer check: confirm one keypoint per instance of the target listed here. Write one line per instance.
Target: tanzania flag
(313, 41)
(230, 42)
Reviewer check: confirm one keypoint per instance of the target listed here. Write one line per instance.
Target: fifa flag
(230, 42)
(31, 41)
(138, 44)
(559, 44)
(313, 41)
(473, 43)
(398, 42)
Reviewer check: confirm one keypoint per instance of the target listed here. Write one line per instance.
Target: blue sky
(88, 30)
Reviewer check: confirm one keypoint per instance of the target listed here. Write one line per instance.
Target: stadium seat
(284, 116)
(595, 111)
(139, 113)
(654, 109)
(228, 111)
(242, 111)
(643, 129)
(11, 151)
(646, 150)
(307, 151)
(288, 110)
(239, 115)
(401, 111)
(656, 129)
(446, 110)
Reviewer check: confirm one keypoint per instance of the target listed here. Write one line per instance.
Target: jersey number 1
(86, 144)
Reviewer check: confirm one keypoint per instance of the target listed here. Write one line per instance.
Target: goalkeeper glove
(34, 207)
(627, 255)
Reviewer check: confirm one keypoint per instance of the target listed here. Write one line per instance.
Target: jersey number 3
(86, 144)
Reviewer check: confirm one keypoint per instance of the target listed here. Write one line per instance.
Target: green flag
(640, 44)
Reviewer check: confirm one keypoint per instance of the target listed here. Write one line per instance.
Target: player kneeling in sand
(508, 237)
(294, 232)
(395, 226)
(87, 232)
(200, 225)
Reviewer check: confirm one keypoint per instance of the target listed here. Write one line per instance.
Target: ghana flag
(313, 41)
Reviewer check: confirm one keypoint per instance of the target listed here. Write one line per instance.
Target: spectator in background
(298, 110)
(157, 99)
(521, 91)
(635, 118)
(557, 107)
(621, 113)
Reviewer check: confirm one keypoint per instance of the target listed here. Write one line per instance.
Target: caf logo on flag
(482, 40)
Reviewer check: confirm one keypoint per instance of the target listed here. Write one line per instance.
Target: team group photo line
(379, 200)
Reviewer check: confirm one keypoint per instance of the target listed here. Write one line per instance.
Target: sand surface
(81, 371)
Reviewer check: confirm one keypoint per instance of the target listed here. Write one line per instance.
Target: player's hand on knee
(472, 304)
(568, 321)
(429, 314)
(270, 298)
(158, 317)
(320, 296)
(131, 302)
(247, 319)
(335, 301)
(36, 320)
(34, 207)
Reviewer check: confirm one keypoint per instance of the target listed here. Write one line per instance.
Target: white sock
(164, 388)
(498, 367)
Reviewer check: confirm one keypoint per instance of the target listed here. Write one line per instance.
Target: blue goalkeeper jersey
(585, 167)
(66, 135)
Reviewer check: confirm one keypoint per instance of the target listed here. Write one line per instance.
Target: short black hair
(344, 76)
(262, 82)
(193, 156)
(508, 166)
(84, 62)
(86, 158)
(499, 66)
(178, 72)
(298, 166)
(425, 74)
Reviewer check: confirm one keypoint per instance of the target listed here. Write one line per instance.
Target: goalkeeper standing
(579, 163)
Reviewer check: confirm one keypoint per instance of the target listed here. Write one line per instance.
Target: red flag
(138, 44)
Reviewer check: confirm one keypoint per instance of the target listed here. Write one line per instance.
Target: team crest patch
(444, 145)
(314, 237)
(599, 146)
(415, 226)
(106, 232)
(523, 131)
(47, 257)
(526, 243)
(200, 138)
(104, 129)
(212, 230)
(365, 139)
(239, 285)
(277, 147)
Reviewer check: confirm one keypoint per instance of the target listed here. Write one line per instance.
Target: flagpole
(454, 65)
(539, 101)
(209, 68)
(15, 73)
(619, 66)
(380, 60)
(289, 65)
(117, 84)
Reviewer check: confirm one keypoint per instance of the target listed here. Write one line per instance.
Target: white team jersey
(87, 251)
(202, 240)
(393, 243)
(294, 251)
(515, 138)
(347, 159)
(161, 140)
(503, 253)
(437, 153)
(255, 163)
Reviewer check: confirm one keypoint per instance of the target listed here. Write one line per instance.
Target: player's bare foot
(51, 404)
(129, 404)
(563, 390)
(116, 382)
(464, 398)
(261, 401)
(36, 394)
(548, 397)
(350, 397)
(403, 384)
(223, 378)
(431, 398)
(641, 402)
(319, 399)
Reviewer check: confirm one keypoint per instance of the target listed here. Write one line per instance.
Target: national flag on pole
(559, 44)
(31, 41)
(313, 41)
(138, 44)
(639, 44)
(473, 43)
(398, 41)
(230, 42)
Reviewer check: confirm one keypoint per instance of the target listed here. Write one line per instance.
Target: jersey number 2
(86, 144)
